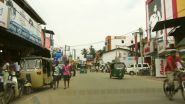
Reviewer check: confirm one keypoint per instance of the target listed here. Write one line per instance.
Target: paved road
(98, 88)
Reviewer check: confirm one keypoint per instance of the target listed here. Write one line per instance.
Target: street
(98, 88)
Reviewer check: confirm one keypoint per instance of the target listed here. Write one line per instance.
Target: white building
(121, 54)
(113, 42)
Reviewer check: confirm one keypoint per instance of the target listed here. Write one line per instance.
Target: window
(118, 66)
(139, 65)
(31, 64)
(145, 65)
(122, 41)
(131, 65)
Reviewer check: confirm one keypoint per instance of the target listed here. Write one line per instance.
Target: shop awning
(14, 42)
(48, 31)
(177, 30)
(169, 23)
(181, 43)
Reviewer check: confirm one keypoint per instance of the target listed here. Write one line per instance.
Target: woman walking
(56, 75)
(66, 74)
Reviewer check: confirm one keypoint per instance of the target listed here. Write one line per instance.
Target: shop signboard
(3, 15)
(23, 25)
(47, 41)
(160, 67)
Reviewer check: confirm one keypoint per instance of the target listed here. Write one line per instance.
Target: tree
(92, 51)
(84, 53)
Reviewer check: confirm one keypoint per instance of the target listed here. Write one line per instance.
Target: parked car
(138, 69)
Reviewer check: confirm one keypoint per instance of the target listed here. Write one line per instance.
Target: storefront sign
(23, 25)
(3, 15)
(160, 67)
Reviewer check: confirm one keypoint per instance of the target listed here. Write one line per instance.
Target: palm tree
(84, 53)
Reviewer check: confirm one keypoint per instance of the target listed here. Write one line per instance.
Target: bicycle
(169, 89)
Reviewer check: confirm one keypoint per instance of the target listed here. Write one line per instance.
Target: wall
(116, 42)
(122, 54)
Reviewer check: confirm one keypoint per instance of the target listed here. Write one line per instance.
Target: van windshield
(31, 64)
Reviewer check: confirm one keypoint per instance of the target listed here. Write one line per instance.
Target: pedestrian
(66, 73)
(179, 61)
(56, 75)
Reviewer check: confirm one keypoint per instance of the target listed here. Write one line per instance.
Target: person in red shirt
(170, 67)
(66, 73)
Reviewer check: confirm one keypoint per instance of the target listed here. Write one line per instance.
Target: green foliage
(84, 52)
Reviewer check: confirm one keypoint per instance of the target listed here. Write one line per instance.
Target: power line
(98, 42)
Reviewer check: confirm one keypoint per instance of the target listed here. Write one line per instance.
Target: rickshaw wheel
(51, 84)
(110, 76)
(28, 90)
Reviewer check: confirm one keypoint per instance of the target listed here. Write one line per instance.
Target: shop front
(20, 32)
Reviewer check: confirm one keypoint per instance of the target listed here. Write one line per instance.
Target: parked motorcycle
(11, 87)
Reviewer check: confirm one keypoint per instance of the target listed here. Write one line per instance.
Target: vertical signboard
(3, 15)
(47, 41)
(159, 10)
(160, 67)
(23, 25)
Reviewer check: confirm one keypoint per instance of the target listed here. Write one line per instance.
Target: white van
(134, 68)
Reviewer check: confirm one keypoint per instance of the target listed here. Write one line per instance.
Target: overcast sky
(87, 21)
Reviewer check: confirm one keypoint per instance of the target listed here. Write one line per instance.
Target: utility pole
(65, 50)
(74, 50)
(141, 45)
(136, 47)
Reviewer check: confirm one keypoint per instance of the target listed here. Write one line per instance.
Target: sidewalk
(161, 79)
(154, 78)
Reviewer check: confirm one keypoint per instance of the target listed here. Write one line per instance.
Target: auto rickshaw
(83, 68)
(37, 71)
(117, 70)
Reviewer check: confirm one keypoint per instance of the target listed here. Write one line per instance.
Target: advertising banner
(23, 25)
(47, 41)
(159, 10)
(3, 15)
(160, 67)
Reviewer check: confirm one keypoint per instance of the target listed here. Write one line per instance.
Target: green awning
(181, 43)
(169, 23)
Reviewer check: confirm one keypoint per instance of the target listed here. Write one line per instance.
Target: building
(158, 40)
(113, 42)
(21, 33)
(122, 55)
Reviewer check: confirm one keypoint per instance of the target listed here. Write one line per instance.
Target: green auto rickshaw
(117, 70)
(83, 69)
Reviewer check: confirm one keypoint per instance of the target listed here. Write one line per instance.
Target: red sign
(162, 70)
(47, 43)
(147, 49)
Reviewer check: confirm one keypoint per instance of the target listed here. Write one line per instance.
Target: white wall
(109, 56)
(115, 42)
